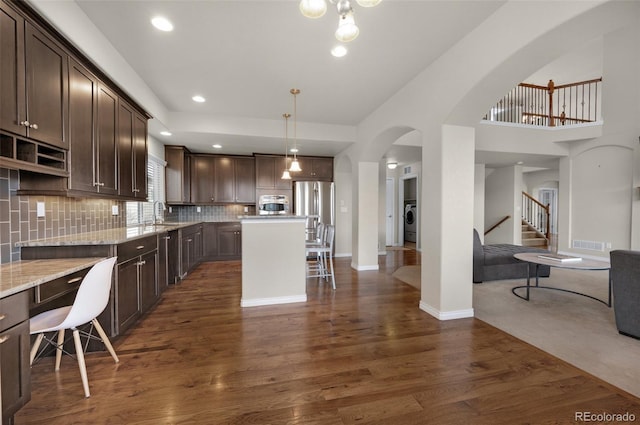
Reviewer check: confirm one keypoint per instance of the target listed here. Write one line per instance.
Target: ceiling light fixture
(217, 146)
(198, 98)
(295, 165)
(285, 173)
(339, 51)
(165, 133)
(347, 28)
(162, 23)
(392, 165)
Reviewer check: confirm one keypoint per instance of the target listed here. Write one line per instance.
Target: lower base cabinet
(136, 281)
(15, 379)
(229, 241)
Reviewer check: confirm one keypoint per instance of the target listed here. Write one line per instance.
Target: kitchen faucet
(156, 218)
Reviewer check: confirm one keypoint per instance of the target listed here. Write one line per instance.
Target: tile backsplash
(19, 220)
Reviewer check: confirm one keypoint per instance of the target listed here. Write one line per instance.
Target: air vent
(590, 245)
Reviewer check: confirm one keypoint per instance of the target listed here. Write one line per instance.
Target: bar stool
(322, 267)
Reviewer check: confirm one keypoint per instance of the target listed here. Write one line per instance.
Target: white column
(365, 217)
(447, 217)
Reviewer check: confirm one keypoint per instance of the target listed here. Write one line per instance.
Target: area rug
(576, 329)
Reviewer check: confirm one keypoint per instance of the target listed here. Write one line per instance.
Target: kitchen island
(273, 260)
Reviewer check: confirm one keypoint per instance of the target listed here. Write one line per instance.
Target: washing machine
(410, 221)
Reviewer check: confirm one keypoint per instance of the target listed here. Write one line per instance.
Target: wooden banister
(536, 214)
(505, 218)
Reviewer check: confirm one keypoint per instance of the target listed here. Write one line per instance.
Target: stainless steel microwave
(273, 205)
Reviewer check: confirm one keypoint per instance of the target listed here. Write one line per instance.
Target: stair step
(529, 234)
(534, 242)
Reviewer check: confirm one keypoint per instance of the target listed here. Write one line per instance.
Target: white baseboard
(446, 315)
(346, 254)
(364, 268)
(255, 302)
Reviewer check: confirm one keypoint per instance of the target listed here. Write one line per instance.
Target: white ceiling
(243, 57)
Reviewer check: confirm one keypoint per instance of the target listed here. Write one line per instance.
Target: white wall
(344, 205)
(503, 197)
(478, 200)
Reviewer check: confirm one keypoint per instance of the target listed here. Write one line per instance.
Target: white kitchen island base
(273, 260)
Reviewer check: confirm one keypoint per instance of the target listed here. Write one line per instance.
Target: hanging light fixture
(285, 173)
(295, 165)
(347, 28)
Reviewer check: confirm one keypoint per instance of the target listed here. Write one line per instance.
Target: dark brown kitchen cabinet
(173, 259)
(269, 172)
(34, 81)
(229, 241)
(15, 379)
(245, 180)
(94, 144)
(234, 180)
(46, 88)
(191, 248)
(314, 168)
(83, 104)
(12, 71)
(209, 241)
(136, 280)
(106, 141)
(203, 190)
(177, 175)
(132, 152)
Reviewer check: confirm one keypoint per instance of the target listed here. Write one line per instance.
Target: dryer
(410, 222)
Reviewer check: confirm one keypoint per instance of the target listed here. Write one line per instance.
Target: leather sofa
(625, 279)
(496, 262)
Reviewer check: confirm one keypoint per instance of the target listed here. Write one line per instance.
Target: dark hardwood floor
(362, 354)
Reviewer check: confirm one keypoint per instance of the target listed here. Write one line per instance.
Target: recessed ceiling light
(293, 150)
(216, 146)
(198, 98)
(162, 23)
(165, 133)
(519, 163)
(339, 51)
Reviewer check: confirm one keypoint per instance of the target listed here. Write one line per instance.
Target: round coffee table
(537, 259)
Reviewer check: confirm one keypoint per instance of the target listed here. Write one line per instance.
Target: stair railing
(505, 218)
(536, 214)
(549, 105)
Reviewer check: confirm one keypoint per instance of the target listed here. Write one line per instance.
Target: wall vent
(590, 245)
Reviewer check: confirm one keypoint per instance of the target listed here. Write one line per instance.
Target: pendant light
(285, 173)
(295, 165)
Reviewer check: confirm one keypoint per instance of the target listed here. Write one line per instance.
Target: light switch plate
(246, 209)
(114, 210)
(40, 209)
(198, 209)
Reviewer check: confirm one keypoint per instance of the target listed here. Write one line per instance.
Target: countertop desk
(582, 264)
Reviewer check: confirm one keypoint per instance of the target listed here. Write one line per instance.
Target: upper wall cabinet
(314, 168)
(132, 149)
(60, 115)
(33, 81)
(177, 174)
(269, 171)
(222, 179)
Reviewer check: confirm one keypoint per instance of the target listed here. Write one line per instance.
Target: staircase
(531, 237)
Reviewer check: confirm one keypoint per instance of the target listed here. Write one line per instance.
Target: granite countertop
(21, 275)
(272, 217)
(106, 237)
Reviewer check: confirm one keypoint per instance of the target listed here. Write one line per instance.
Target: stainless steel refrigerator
(316, 201)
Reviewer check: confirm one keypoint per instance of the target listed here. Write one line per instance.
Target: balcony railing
(550, 106)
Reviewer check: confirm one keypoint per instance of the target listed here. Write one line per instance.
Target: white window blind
(142, 212)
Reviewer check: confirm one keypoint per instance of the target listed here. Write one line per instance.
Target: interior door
(390, 213)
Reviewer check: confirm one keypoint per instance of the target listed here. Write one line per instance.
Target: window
(142, 212)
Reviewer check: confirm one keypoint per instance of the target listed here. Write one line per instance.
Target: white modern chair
(91, 300)
(323, 266)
